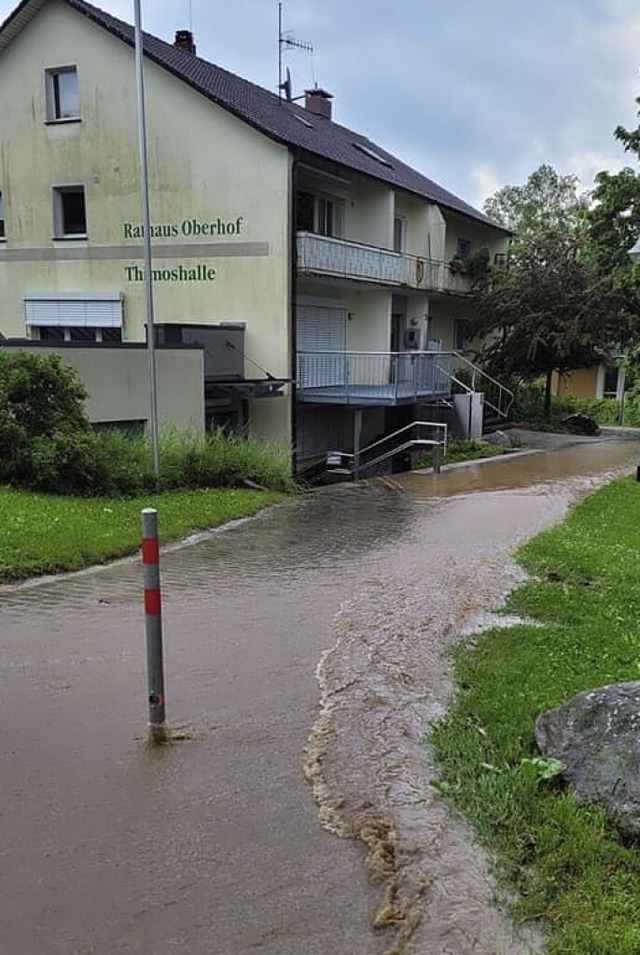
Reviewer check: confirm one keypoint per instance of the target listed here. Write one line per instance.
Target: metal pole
(146, 242)
(153, 624)
(357, 439)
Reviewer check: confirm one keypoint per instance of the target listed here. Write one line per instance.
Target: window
(373, 154)
(63, 98)
(323, 215)
(2, 229)
(399, 229)
(74, 316)
(464, 248)
(610, 386)
(459, 334)
(51, 334)
(60, 333)
(69, 215)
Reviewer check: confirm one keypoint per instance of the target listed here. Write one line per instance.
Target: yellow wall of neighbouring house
(205, 166)
(579, 383)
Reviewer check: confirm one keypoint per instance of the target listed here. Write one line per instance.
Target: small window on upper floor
(69, 214)
(63, 97)
(2, 228)
(464, 248)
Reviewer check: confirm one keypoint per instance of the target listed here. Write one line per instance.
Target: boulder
(499, 438)
(596, 735)
(580, 423)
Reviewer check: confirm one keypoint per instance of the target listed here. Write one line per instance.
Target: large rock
(579, 423)
(597, 737)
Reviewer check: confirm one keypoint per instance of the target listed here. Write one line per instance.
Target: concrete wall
(370, 327)
(369, 213)
(117, 379)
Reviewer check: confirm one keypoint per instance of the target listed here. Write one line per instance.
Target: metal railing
(392, 377)
(430, 434)
(344, 259)
(367, 377)
(471, 378)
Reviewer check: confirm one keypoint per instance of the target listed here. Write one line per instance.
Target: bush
(46, 440)
(528, 408)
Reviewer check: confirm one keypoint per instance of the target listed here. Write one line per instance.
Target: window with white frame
(74, 317)
(321, 214)
(69, 212)
(62, 94)
(60, 333)
(3, 234)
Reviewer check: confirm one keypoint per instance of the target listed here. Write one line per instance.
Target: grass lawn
(573, 874)
(41, 534)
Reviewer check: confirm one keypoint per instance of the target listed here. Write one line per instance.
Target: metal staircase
(399, 444)
(470, 378)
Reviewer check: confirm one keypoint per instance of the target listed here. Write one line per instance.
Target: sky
(475, 95)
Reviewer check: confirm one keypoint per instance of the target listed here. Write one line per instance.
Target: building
(322, 282)
(598, 381)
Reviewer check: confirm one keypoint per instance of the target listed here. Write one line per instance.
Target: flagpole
(146, 240)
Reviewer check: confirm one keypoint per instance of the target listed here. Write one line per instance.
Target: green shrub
(528, 408)
(46, 441)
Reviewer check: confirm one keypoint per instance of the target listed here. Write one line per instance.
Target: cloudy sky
(474, 94)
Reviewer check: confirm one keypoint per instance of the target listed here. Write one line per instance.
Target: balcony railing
(391, 378)
(373, 377)
(338, 258)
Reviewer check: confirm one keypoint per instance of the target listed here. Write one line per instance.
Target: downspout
(293, 291)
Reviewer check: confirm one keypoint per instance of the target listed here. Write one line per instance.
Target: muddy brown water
(308, 642)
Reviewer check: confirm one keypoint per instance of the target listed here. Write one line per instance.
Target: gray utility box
(223, 347)
(469, 415)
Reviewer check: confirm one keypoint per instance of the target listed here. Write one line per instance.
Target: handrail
(426, 442)
(502, 390)
(359, 465)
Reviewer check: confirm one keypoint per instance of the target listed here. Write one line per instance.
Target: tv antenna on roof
(286, 41)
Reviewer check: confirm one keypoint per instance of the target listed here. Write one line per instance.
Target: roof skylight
(372, 154)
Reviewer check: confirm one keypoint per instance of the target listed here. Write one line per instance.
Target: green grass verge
(42, 534)
(572, 873)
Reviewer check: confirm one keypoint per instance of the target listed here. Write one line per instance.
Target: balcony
(385, 379)
(352, 261)
(373, 378)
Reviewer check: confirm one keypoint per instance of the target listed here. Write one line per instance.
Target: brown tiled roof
(282, 121)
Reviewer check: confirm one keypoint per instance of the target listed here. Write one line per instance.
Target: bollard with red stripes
(153, 624)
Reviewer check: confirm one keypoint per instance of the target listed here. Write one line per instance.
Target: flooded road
(310, 641)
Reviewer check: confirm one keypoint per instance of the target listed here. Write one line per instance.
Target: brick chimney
(184, 41)
(318, 101)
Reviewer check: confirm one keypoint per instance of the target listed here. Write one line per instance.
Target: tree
(546, 203)
(613, 223)
(550, 312)
(613, 228)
